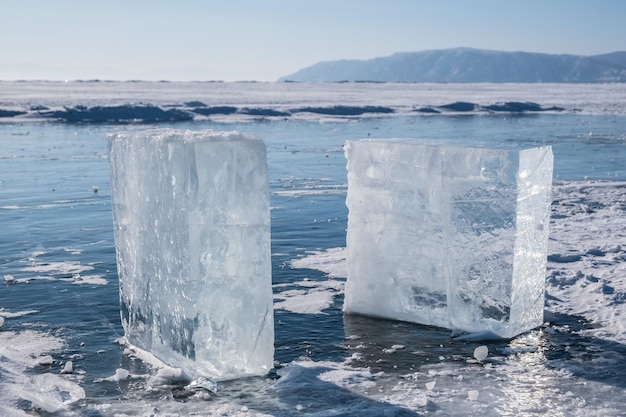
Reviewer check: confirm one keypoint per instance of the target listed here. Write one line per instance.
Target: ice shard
(192, 236)
(448, 236)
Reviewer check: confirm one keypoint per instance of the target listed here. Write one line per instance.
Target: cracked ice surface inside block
(448, 236)
(192, 236)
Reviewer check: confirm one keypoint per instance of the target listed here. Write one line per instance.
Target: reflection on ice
(335, 386)
(530, 374)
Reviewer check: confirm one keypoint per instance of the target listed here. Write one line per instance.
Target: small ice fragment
(481, 352)
(430, 385)
(51, 392)
(168, 376)
(1, 321)
(299, 407)
(205, 383)
(171, 374)
(68, 368)
(45, 360)
(8, 278)
(472, 395)
(121, 374)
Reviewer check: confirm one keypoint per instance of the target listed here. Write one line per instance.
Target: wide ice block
(192, 235)
(448, 236)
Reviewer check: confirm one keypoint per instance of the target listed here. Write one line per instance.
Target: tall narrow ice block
(447, 236)
(192, 235)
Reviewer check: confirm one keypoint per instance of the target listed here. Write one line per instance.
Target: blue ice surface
(49, 208)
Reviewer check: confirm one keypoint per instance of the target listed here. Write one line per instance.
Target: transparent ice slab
(192, 236)
(448, 236)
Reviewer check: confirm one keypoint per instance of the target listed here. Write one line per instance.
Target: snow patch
(59, 268)
(20, 351)
(331, 261)
(309, 297)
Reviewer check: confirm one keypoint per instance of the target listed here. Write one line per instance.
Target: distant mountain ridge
(468, 65)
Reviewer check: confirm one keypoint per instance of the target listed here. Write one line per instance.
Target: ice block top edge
(442, 144)
(167, 135)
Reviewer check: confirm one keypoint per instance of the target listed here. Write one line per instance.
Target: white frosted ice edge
(448, 236)
(192, 235)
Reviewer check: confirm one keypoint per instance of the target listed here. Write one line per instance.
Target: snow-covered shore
(154, 102)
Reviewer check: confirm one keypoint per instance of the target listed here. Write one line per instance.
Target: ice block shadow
(302, 390)
(299, 391)
(586, 357)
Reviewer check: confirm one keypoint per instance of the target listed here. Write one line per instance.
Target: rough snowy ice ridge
(192, 234)
(447, 236)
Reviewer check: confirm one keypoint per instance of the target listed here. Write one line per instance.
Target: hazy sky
(265, 39)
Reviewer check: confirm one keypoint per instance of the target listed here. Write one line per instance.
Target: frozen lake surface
(59, 303)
